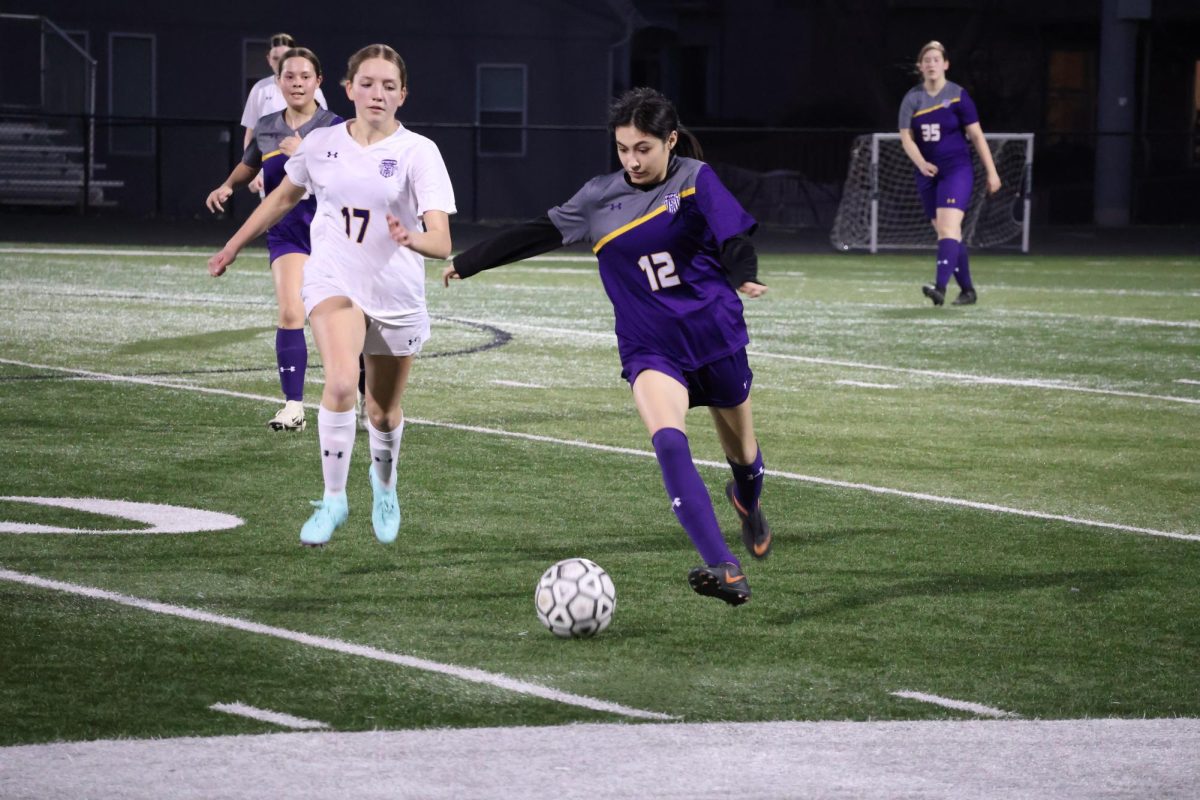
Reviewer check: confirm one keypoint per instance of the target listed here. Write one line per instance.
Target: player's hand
(217, 197)
(752, 289)
(449, 273)
(400, 234)
(218, 263)
(927, 169)
(290, 144)
(256, 184)
(993, 183)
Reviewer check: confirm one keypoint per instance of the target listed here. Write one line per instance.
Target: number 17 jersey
(659, 258)
(356, 188)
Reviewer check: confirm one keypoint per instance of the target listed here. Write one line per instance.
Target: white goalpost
(880, 207)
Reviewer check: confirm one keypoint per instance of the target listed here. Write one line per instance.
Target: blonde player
(383, 204)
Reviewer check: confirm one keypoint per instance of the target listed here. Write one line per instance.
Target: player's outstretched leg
(724, 581)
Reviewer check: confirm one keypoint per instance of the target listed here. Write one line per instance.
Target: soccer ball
(575, 597)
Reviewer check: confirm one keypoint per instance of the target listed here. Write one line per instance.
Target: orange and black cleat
(724, 581)
(756, 534)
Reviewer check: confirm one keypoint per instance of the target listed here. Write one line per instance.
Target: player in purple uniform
(276, 137)
(673, 245)
(937, 118)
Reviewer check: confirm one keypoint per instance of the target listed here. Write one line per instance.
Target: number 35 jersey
(938, 122)
(659, 259)
(356, 188)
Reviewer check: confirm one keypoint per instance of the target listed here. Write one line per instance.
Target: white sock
(336, 432)
(385, 449)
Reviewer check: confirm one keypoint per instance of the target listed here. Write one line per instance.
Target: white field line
(958, 705)
(953, 501)
(1188, 381)
(866, 385)
(1028, 383)
(518, 384)
(273, 717)
(337, 645)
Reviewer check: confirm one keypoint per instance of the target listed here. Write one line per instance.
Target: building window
(1070, 89)
(254, 64)
(131, 92)
(501, 100)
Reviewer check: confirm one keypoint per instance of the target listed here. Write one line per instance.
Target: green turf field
(995, 504)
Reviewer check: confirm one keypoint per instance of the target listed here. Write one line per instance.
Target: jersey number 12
(660, 270)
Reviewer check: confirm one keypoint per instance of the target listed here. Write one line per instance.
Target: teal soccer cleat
(329, 515)
(385, 512)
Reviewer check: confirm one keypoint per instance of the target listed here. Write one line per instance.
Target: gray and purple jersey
(939, 121)
(290, 234)
(659, 259)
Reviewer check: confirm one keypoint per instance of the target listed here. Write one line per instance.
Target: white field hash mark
(338, 646)
(958, 705)
(604, 448)
(273, 717)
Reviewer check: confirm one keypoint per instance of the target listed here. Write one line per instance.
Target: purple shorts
(950, 188)
(290, 234)
(724, 383)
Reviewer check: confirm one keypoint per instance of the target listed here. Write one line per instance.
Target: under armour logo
(614, 206)
(411, 342)
(677, 503)
(379, 460)
(287, 369)
(339, 454)
(331, 153)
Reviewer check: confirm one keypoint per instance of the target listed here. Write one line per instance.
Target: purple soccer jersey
(938, 124)
(659, 259)
(290, 234)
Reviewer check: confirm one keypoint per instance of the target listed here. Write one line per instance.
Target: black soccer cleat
(965, 298)
(725, 581)
(934, 293)
(756, 534)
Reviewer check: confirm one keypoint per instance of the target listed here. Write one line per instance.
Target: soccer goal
(880, 206)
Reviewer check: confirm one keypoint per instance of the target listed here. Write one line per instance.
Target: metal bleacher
(40, 167)
(47, 132)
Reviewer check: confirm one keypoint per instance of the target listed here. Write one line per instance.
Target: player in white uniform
(383, 204)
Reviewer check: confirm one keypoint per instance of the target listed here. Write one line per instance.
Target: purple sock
(748, 480)
(963, 273)
(947, 259)
(689, 496)
(291, 353)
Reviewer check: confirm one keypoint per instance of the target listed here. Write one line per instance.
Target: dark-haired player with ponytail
(674, 250)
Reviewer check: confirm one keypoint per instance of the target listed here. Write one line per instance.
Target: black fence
(790, 177)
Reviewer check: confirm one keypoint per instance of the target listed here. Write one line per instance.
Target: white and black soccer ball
(575, 597)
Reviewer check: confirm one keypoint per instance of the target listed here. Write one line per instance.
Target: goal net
(880, 206)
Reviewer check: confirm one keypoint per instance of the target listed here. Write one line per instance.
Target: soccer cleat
(329, 515)
(965, 298)
(289, 418)
(934, 293)
(385, 512)
(724, 581)
(756, 534)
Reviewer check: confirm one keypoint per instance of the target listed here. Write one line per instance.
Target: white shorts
(395, 340)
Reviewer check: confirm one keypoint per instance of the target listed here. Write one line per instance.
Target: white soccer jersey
(356, 188)
(265, 98)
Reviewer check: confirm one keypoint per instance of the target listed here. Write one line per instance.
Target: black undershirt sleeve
(521, 241)
(739, 260)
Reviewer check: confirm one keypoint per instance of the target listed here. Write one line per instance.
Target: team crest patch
(672, 202)
(387, 167)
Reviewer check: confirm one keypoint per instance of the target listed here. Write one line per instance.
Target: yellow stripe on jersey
(631, 225)
(272, 154)
(934, 108)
